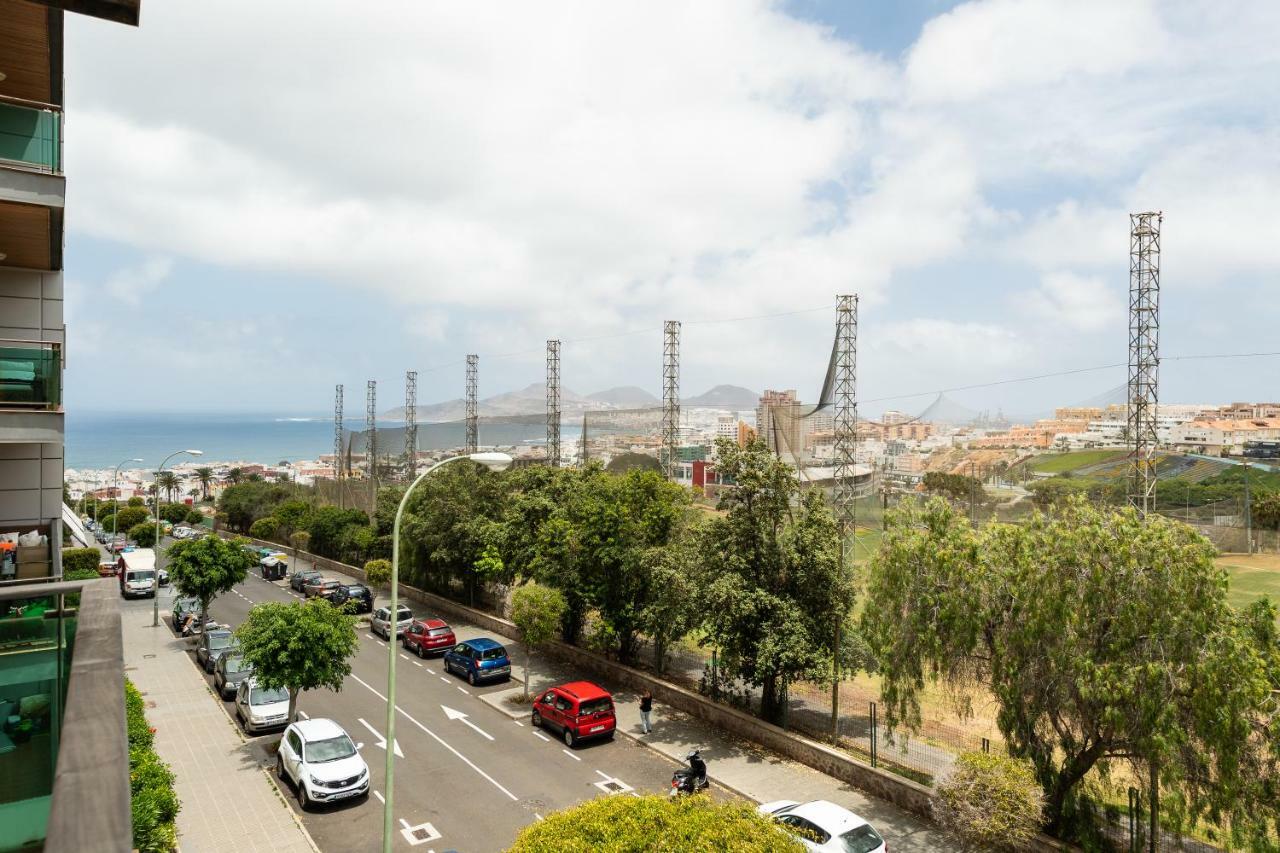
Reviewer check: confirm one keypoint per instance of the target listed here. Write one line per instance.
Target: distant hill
(732, 397)
(625, 397)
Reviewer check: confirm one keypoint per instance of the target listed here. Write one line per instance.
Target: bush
(990, 802)
(136, 502)
(653, 823)
(377, 573)
(144, 534)
(194, 517)
(130, 516)
(154, 803)
(174, 513)
(80, 564)
(264, 528)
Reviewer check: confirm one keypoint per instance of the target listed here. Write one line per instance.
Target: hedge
(155, 804)
(79, 564)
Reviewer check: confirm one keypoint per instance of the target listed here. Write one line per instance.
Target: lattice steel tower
(670, 397)
(553, 404)
(371, 437)
(846, 412)
(410, 423)
(337, 441)
(1144, 355)
(473, 434)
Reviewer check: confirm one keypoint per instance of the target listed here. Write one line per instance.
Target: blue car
(479, 660)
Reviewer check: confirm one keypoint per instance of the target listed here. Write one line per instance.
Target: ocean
(102, 439)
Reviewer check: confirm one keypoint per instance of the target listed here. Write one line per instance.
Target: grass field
(1059, 463)
(1252, 576)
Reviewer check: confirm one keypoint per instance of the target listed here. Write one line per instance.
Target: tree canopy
(1103, 639)
(144, 534)
(130, 516)
(537, 611)
(206, 567)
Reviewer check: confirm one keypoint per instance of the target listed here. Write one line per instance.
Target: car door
(458, 656)
(547, 708)
(242, 700)
(292, 746)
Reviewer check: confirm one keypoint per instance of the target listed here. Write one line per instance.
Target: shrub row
(155, 803)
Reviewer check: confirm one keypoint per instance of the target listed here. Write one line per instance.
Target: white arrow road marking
(410, 833)
(382, 742)
(439, 740)
(458, 715)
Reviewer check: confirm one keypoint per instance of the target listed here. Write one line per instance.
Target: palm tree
(235, 475)
(205, 476)
(168, 481)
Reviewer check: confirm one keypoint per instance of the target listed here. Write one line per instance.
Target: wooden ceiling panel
(25, 46)
(25, 238)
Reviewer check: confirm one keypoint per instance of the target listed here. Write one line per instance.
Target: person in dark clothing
(646, 708)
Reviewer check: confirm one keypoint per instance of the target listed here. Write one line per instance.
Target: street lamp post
(115, 499)
(155, 597)
(493, 461)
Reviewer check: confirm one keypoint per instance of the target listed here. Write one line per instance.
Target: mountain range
(531, 400)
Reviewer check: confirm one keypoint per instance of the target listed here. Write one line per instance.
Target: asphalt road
(464, 784)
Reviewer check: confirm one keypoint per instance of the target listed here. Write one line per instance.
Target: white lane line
(541, 735)
(518, 723)
(603, 775)
(417, 663)
(463, 689)
(571, 755)
(303, 715)
(384, 645)
(538, 816)
(380, 799)
(438, 740)
(371, 637)
(445, 680)
(403, 655)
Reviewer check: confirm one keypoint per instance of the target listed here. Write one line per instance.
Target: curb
(275, 786)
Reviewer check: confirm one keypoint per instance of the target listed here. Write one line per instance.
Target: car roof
(482, 643)
(584, 690)
(319, 728)
(834, 819)
(434, 623)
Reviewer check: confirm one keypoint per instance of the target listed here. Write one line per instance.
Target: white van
(138, 577)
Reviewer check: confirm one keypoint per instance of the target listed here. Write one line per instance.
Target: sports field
(1252, 575)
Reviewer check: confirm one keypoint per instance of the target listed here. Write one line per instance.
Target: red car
(580, 710)
(424, 636)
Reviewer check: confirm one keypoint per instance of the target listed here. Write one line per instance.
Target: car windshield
(355, 590)
(219, 641)
(237, 666)
(320, 751)
(141, 576)
(437, 632)
(493, 654)
(595, 706)
(864, 839)
(406, 616)
(268, 695)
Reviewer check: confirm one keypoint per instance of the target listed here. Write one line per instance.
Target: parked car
(261, 708)
(164, 577)
(182, 606)
(181, 532)
(320, 587)
(230, 670)
(579, 710)
(300, 579)
(355, 595)
(823, 826)
(380, 622)
(424, 636)
(318, 758)
(213, 645)
(479, 660)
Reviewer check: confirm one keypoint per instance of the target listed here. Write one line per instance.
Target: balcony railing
(30, 135)
(30, 375)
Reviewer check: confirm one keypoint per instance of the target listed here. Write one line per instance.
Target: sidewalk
(227, 801)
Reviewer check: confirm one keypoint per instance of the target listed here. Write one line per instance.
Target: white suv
(260, 707)
(321, 762)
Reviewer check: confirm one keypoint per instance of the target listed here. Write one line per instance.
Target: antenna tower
(846, 412)
(371, 440)
(337, 441)
(553, 404)
(411, 423)
(473, 362)
(670, 396)
(1144, 355)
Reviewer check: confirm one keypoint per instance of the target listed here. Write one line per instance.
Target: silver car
(380, 622)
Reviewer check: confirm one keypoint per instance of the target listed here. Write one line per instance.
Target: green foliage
(655, 824)
(300, 540)
(136, 501)
(194, 517)
(990, 802)
(377, 573)
(298, 646)
(206, 567)
(204, 476)
(292, 515)
(130, 516)
(264, 528)
(80, 563)
(154, 802)
(144, 534)
(245, 503)
(956, 486)
(773, 587)
(1101, 638)
(1266, 511)
(168, 483)
(1059, 463)
(332, 531)
(174, 513)
(538, 612)
(670, 609)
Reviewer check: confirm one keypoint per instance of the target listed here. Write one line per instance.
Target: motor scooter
(691, 780)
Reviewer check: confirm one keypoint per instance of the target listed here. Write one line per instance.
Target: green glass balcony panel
(30, 376)
(32, 136)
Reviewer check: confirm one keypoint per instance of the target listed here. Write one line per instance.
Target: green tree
(136, 501)
(174, 513)
(377, 573)
(300, 540)
(292, 515)
(144, 534)
(298, 646)
(1266, 510)
(656, 823)
(130, 516)
(245, 503)
(264, 528)
(670, 609)
(538, 612)
(773, 588)
(205, 568)
(80, 563)
(990, 802)
(1102, 639)
(168, 482)
(235, 476)
(204, 476)
(194, 517)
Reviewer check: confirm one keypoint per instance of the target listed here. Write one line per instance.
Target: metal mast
(846, 412)
(371, 440)
(670, 396)
(553, 403)
(473, 362)
(1144, 355)
(411, 423)
(337, 441)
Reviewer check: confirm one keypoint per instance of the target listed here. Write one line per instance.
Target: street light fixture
(492, 461)
(115, 499)
(155, 597)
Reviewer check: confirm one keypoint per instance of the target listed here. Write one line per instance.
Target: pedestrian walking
(646, 708)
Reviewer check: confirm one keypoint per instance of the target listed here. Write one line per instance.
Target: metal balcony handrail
(24, 102)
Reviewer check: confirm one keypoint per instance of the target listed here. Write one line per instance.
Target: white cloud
(131, 284)
(1065, 301)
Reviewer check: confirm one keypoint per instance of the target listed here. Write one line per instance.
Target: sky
(267, 199)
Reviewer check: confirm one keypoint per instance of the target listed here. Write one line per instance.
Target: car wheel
(537, 720)
(569, 739)
(280, 768)
(304, 802)
(422, 653)
(471, 679)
